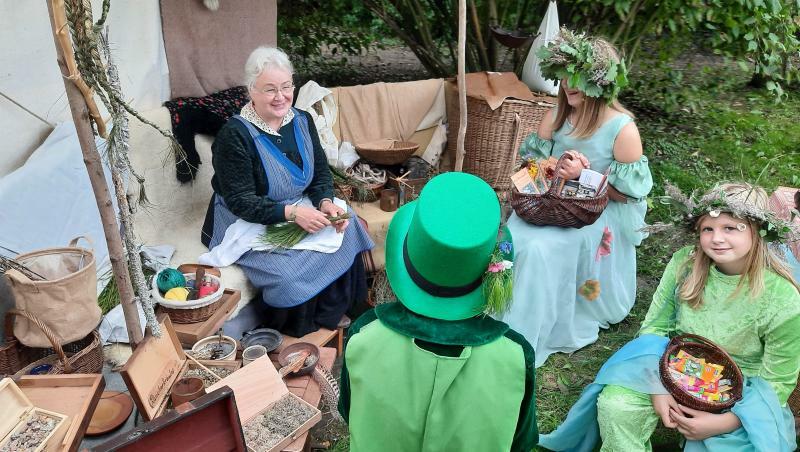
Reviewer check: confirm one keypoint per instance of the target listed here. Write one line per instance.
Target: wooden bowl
(512, 38)
(299, 347)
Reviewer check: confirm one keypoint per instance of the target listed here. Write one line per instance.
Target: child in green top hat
(434, 372)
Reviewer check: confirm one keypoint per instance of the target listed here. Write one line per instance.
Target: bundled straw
(288, 234)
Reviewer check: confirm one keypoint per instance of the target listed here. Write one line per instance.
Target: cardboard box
(257, 387)
(18, 409)
(155, 366)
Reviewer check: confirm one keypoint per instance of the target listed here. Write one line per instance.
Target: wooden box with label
(23, 426)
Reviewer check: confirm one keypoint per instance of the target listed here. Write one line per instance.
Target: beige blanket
(385, 110)
(206, 50)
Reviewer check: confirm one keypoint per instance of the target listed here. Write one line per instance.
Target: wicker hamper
(493, 137)
(82, 356)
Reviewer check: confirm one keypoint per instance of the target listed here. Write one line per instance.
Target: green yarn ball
(169, 278)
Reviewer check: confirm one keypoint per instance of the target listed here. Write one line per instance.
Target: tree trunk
(94, 166)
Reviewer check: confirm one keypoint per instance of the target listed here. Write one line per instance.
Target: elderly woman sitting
(269, 167)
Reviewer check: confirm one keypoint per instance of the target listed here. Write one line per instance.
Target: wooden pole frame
(461, 82)
(94, 166)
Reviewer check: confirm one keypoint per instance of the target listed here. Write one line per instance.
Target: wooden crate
(75, 395)
(155, 366)
(189, 333)
(257, 387)
(208, 423)
(18, 409)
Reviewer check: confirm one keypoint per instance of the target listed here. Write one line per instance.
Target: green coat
(411, 383)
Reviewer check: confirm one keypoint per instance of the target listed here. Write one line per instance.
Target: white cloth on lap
(242, 236)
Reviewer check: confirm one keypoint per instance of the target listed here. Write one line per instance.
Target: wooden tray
(74, 395)
(307, 389)
(208, 423)
(257, 386)
(189, 333)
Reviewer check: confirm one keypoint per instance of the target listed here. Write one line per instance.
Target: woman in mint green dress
(731, 288)
(570, 282)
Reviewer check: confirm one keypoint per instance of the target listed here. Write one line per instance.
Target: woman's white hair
(263, 58)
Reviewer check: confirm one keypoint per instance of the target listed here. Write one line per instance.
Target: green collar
(474, 331)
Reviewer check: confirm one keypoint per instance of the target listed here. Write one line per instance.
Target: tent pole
(91, 158)
(462, 89)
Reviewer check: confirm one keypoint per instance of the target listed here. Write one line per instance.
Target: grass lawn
(730, 132)
(734, 133)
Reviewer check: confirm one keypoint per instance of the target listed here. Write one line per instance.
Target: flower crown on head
(715, 202)
(587, 64)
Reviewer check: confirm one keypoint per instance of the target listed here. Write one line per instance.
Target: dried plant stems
(94, 167)
(288, 234)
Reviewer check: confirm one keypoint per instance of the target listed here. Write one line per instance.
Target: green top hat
(438, 247)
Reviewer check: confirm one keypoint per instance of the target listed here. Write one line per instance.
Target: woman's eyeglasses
(272, 91)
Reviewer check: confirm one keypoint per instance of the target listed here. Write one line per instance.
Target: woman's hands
(693, 424)
(699, 425)
(330, 209)
(311, 220)
(571, 168)
(663, 404)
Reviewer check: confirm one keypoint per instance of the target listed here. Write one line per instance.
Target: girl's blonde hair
(760, 257)
(590, 113)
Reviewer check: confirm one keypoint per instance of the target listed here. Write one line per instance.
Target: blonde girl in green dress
(732, 288)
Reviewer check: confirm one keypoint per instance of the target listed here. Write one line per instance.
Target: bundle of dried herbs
(288, 234)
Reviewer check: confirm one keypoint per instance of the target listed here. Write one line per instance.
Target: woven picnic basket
(701, 347)
(493, 137)
(551, 209)
(84, 356)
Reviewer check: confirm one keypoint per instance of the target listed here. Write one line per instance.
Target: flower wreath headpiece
(716, 201)
(588, 64)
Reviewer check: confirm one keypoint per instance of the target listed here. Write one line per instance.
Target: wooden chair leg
(339, 341)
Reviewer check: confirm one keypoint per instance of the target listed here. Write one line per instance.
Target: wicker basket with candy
(699, 374)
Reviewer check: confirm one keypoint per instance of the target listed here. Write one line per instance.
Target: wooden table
(74, 395)
(189, 333)
(306, 388)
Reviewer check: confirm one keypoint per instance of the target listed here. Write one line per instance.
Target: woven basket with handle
(701, 347)
(551, 209)
(87, 357)
(493, 137)
(794, 401)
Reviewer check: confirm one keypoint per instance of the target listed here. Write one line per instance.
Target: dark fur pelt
(206, 115)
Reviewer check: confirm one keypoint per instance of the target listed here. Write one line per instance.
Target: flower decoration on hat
(498, 280)
(590, 65)
(716, 202)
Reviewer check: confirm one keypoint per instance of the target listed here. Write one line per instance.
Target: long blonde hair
(759, 258)
(590, 113)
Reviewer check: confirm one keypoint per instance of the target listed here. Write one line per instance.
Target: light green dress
(569, 283)
(762, 335)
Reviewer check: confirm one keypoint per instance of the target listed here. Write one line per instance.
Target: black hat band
(432, 288)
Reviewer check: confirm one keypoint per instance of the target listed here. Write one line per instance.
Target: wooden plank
(320, 338)
(74, 395)
(189, 333)
(256, 386)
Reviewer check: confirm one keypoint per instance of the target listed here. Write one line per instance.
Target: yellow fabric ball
(177, 294)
